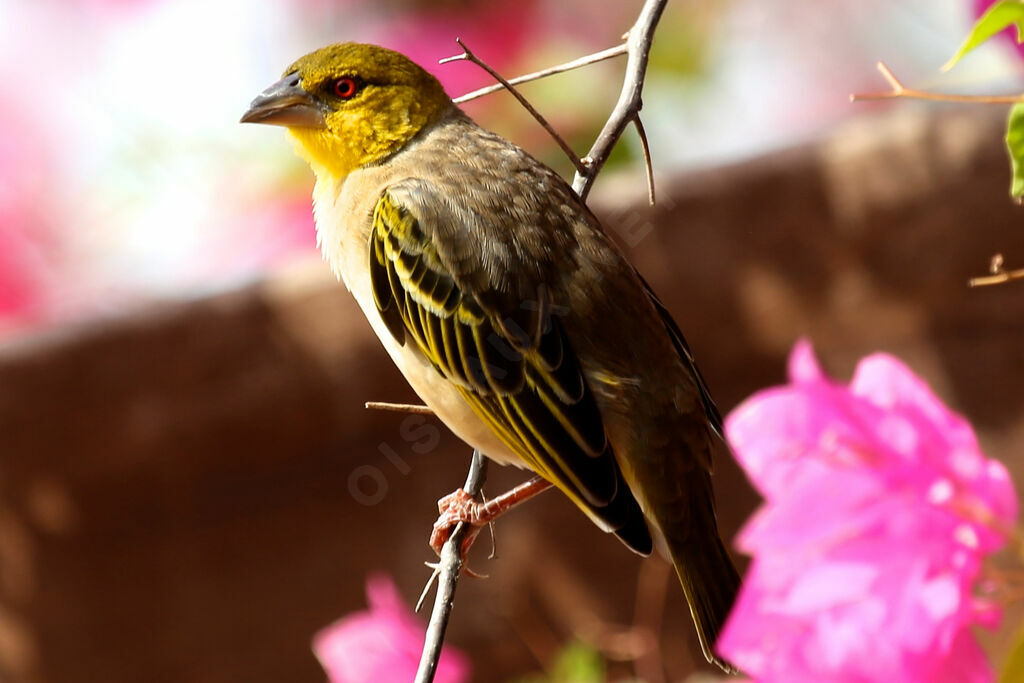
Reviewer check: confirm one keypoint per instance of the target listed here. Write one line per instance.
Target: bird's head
(350, 105)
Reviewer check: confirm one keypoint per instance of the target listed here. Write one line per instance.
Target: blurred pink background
(125, 177)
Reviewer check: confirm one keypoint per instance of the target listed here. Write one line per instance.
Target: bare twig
(467, 55)
(998, 275)
(900, 91)
(1002, 277)
(449, 568)
(647, 157)
(399, 407)
(544, 73)
(638, 45)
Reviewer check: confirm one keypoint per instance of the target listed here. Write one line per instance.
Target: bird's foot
(457, 508)
(460, 507)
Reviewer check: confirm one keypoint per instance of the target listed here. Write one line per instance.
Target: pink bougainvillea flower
(27, 270)
(381, 644)
(498, 32)
(879, 509)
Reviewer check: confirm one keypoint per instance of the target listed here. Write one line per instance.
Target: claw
(460, 504)
(459, 507)
(474, 574)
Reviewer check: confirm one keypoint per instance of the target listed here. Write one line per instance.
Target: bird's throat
(352, 141)
(330, 155)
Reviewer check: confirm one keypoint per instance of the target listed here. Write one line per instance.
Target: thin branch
(467, 55)
(544, 73)
(399, 407)
(647, 157)
(449, 568)
(900, 91)
(998, 274)
(1005, 276)
(638, 45)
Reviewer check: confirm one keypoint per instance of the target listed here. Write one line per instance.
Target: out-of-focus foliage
(1015, 146)
(577, 663)
(995, 19)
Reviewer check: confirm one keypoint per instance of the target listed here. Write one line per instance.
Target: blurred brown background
(176, 487)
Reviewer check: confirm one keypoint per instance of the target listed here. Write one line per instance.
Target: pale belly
(436, 392)
(344, 242)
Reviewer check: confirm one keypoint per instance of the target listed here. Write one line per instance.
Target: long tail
(709, 578)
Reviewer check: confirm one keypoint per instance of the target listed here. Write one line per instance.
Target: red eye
(345, 87)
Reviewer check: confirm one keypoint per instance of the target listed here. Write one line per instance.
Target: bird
(508, 308)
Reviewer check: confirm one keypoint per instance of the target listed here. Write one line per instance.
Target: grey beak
(286, 103)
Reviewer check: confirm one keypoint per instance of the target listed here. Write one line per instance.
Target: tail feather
(709, 578)
(710, 582)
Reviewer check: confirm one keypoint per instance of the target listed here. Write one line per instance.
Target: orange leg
(459, 506)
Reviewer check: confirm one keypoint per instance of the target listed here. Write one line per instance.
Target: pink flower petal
(879, 510)
(803, 367)
(382, 643)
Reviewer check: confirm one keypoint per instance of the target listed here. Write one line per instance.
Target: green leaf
(577, 663)
(1013, 671)
(1015, 146)
(1000, 15)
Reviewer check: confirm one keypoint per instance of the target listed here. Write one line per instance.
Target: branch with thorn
(626, 111)
(627, 108)
(900, 91)
(998, 274)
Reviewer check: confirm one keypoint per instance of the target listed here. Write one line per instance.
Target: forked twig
(544, 73)
(901, 91)
(468, 55)
(627, 108)
(448, 570)
(638, 44)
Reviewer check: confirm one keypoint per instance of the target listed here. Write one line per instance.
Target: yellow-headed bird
(507, 308)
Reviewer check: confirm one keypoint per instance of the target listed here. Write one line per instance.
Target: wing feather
(683, 349)
(512, 363)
